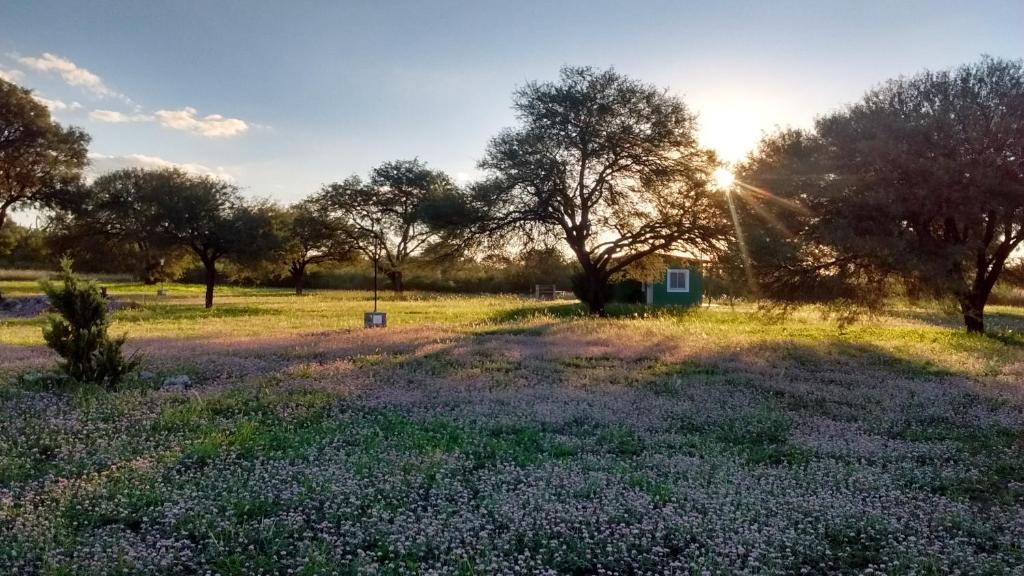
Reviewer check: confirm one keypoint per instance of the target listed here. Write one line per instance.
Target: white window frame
(668, 280)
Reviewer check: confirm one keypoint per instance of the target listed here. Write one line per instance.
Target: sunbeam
(762, 193)
(766, 214)
(744, 253)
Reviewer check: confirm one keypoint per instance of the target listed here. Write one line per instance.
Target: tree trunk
(973, 307)
(395, 277)
(298, 277)
(211, 279)
(595, 292)
(152, 272)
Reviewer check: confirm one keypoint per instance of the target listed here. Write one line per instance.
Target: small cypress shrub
(78, 332)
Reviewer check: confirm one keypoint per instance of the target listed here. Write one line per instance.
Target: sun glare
(724, 179)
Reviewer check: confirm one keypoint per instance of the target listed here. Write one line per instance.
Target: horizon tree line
(918, 185)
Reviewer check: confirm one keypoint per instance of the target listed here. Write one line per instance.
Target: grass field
(496, 435)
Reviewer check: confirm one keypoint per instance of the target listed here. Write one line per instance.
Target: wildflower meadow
(498, 435)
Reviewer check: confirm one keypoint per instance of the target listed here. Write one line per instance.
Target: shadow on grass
(579, 310)
(563, 311)
(1009, 337)
(1006, 327)
(156, 312)
(769, 390)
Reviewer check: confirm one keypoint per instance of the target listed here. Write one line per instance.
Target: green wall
(662, 297)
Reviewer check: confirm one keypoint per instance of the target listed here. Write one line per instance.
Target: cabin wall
(662, 297)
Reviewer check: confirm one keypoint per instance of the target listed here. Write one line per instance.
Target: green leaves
(78, 332)
(41, 162)
(403, 210)
(920, 182)
(609, 164)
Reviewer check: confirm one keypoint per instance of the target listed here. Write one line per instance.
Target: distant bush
(1007, 296)
(492, 275)
(22, 247)
(78, 332)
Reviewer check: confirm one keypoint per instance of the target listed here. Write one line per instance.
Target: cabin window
(678, 280)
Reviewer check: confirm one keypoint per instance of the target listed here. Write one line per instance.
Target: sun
(724, 178)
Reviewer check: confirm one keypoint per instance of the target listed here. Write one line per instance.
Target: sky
(283, 97)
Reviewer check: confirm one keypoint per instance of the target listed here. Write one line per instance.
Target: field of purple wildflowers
(520, 440)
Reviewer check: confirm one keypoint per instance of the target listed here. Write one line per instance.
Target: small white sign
(375, 319)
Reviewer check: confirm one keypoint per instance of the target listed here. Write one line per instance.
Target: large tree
(209, 217)
(609, 164)
(390, 218)
(310, 235)
(41, 162)
(165, 210)
(921, 181)
(117, 216)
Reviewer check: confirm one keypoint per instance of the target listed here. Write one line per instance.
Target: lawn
(497, 435)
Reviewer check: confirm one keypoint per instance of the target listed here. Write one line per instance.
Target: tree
(612, 166)
(393, 216)
(921, 181)
(22, 247)
(78, 332)
(209, 217)
(41, 162)
(161, 212)
(311, 235)
(117, 216)
(197, 212)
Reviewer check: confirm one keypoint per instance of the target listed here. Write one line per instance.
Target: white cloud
(212, 126)
(53, 105)
(186, 119)
(76, 105)
(11, 75)
(118, 117)
(69, 71)
(102, 163)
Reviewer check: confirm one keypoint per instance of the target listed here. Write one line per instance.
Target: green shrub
(78, 332)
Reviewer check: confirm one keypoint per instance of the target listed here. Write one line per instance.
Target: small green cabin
(677, 282)
(679, 286)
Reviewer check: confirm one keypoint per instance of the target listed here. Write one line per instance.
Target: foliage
(78, 333)
(115, 223)
(41, 162)
(530, 444)
(400, 211)
(610, 165)
(160, 215)
(23, 247)
(922, 181)
(311, 235)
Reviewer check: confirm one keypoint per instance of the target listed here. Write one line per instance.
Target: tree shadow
(560, 311)
(579, 310)
(1005, 327)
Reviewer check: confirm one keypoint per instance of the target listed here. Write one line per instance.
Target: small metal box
(375, 320)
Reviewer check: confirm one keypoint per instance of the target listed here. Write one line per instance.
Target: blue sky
(282, 97)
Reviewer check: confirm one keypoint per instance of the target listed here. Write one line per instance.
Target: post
(375, 319)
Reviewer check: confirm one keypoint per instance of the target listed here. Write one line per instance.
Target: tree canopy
(209, 217)
(610, 165)
(391, 216)
(311, 235)
(921, 181)
(163, 211)
(118, 215)
(41, 162)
